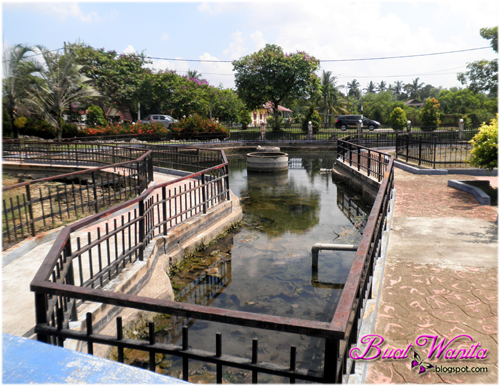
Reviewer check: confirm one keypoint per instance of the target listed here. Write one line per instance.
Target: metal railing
(369, 162)
(436, 149)
(63, 281)
(34, 206)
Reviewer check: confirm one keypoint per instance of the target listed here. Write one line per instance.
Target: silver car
(166, 120)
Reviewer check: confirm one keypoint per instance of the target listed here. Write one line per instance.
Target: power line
(404, 56)
(335, 60)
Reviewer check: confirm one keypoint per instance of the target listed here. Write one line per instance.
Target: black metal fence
(58, 289)
(371, 163)
(41, 204)
(436, 149)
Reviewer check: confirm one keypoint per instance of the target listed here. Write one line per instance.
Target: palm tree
(193, 74)
(382, 86)
(370, 88)
(414, 88)
(332, 100)
(15, 72)
(353, 89)
(57, 83)
(398, 87)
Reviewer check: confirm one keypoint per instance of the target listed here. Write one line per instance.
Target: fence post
(407, 138)
(331, 360)
(76, 154)
(94, 184)
(203, 194)
(228, 192)
(141, 229)
(420, 151)
(461, 130)
(30, 209)
(41, 315)
(164, 208)
(70, 277)
(150, 169)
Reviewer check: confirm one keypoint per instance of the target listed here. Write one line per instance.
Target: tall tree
(331, 99)
(413, 89)
(353, 89)
(116, 77)
(55, 85)
(272, 75)
(370, 88)
(15, 73)
(398, 88)
(382, 86)
(482, 75)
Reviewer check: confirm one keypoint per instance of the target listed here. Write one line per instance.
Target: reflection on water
(265, 266)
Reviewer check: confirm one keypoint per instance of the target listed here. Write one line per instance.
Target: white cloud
(129, 50)
(65, 11)
(236, 48)
(215, 72)
(258, 38)
(164, 37)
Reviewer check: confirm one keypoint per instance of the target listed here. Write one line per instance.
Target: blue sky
(224, 31)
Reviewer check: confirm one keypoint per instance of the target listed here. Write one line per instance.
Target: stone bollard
(408, 126)
(309, 130)
(262, 131)
(461, 130)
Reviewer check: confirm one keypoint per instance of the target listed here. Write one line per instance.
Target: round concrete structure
(267, 162)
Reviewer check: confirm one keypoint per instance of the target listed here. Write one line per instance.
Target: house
(260, 115)
(113, 115)
(413, 103)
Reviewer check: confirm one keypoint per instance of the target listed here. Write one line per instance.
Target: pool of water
(264, 266)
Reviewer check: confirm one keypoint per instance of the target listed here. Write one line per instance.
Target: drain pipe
(331, 247)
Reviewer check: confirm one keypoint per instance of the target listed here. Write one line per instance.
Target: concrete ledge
(356, 181)
(433, 172)
(481, 196)
(27, 361)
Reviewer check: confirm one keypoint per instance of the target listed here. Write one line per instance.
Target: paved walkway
(18, 311)
(440, 279)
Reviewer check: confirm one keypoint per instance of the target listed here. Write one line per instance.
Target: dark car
(344, 121)
(166, 120)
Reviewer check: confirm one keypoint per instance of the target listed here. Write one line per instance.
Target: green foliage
(57, 84)
(482, 75)
(244, 118)
(467, 122)
(195, 126)
(6, 123)
(95, 116)
(116, 77)
(313, 116)
(430, 115)
(154, 130)
(20, 122)
(484, 153)
(398, 119)
(378, 106)
(272, 75)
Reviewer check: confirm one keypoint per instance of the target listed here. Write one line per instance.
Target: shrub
(430, 115)
(154, 130)
(313, 116)
(397, 119)
(484, 153)
(20, 122)
(6, 124)
(244, 118)
(197, 127)
(38, 128)
(95, 116)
